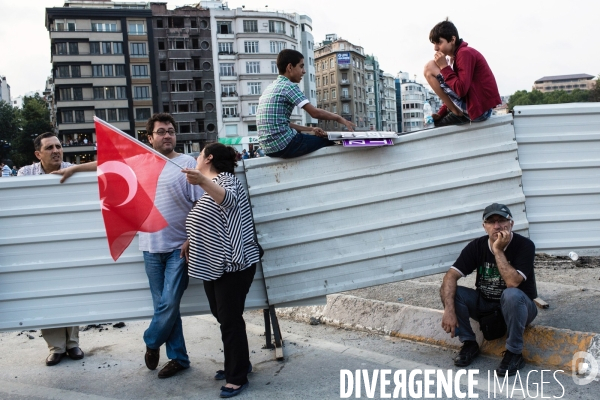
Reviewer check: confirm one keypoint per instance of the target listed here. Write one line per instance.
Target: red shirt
(473, 80)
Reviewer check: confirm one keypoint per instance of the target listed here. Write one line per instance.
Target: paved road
(314, 355)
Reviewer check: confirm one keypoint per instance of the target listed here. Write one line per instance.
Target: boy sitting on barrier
(467, 86)
(276, 134)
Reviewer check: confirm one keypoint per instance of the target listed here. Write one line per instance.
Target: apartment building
(307, 41)
(100, 58)
(341, 82)
(381, 97)
(388, 112)
(185, 73)
(246, 46)
(413, 96)
(4, 90)
(568, 83)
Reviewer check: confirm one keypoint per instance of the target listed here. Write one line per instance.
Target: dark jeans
(226, 297)
(302, 144)
(168, 278)
(518, 310)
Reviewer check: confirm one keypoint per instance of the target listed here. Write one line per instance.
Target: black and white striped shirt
(221, 235)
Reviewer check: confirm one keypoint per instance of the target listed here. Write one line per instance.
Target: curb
(543, 345)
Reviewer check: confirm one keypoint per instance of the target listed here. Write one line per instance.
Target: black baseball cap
(496, 208)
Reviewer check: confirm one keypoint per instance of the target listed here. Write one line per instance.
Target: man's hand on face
(502, 240)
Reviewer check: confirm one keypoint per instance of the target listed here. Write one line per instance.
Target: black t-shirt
(520, 253)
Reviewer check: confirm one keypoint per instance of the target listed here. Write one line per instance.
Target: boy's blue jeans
(300, 145)
(168, 278)
(518, 310)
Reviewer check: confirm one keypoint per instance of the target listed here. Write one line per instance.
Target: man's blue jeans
(518, 310)
(302, 144)
(168, 278)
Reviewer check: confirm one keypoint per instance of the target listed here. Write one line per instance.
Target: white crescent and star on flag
(125, 172)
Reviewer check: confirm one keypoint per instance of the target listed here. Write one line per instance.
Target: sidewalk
(412, 310)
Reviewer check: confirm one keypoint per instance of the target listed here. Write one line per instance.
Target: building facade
(308, 84)
(568, 83)
(388, 112)
(246, 46)
(100, 56)
(341, 82)
(413, 96)
(4, 90)
(185, 73)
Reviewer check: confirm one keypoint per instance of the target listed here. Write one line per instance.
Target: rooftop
(564, 77)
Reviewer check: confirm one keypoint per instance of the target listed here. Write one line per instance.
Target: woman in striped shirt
(223, 253)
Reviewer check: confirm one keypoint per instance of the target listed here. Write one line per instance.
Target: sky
(521, 40)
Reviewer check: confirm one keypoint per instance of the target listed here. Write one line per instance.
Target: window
(121, 92)
(254, 88)
(180, 65)
(104, 27)
(109, 92)
(79, 116)
(141, 92)
(276, 47)
(226, 69)
(119, 70)
(77, 93)
(274, 69)
(117, 47)
(228, 90)
(159, 23)
(64, 94)
(252, 107)
(224, 27)
(193, 23)
(100, 114)
(162, 65)
(61, 48)
(123, 114)
(253, 67)
(333, 94)
(250, 26)
(94, 47)
(226, 48)
(142, 114)
(332, 79)
(96, 70)
(136, 28)
(106, 47)
(63, 71)
(162, 45)
(139, 70)
(108, 70)
(276, 27)
(67, 116)
(292, 31)
(98, 93)
(176, 22)
(177, 44)
(73, 48)
(138, 49)
(75, 71)
(251, 47)
(346, 108)
(111, 114)
(230, 110)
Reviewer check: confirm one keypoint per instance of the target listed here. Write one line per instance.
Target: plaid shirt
(273, 115)
(36, 169)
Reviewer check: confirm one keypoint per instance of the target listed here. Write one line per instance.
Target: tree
(35, 119)
(595, 92)
(524, 98)
(9, 127)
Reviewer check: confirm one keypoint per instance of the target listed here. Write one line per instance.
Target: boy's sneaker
(451, 119)
(467, 354)
(511, 362)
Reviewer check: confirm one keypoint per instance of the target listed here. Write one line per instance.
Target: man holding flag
(141, 192)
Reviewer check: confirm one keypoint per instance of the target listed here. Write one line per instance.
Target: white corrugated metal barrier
(335, 220)
(341, 219)
(55, 267)
(559, 152)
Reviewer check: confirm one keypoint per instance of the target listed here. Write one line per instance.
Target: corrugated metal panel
(55, 267)
(559, 152)
(342, 219)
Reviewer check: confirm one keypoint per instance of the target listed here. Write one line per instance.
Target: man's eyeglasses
(162, 132)
(501, 221)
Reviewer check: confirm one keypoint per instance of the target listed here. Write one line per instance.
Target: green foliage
(525, 98)
(20, 126)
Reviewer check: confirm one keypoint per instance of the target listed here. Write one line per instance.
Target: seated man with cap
(505, 277)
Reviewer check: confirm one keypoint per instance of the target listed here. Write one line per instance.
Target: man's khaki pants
(61, 339)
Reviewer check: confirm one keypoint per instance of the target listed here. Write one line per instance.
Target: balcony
(344, 82)
(231, 117)
(347, 116)
(343, 66)
(345, 97)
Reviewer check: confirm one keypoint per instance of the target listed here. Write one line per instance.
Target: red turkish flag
(128, 172)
